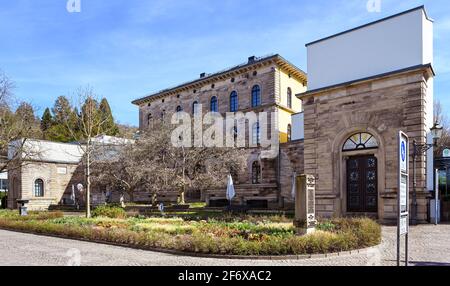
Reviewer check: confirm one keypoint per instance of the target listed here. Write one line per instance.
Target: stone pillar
(305, 208)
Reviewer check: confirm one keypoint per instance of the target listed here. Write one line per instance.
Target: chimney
(251, 59)
(202, 75)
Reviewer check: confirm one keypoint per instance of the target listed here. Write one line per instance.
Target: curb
(203, 255)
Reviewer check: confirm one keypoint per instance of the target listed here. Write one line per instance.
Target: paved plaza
(429, 245)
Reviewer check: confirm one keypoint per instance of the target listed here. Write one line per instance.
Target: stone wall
(242, 84)
(291, 157)
(58, 180)
(274, 81)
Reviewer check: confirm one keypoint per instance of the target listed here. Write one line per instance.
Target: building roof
(68, 153)
(208, 78)
(372, 23)
(46, 151)
(427, 67)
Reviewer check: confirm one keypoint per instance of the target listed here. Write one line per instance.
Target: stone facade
(58, 179)
(381, 106)
(48, 172)
(292, 162)
(275, 77)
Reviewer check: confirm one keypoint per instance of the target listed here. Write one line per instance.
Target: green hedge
(109, 211)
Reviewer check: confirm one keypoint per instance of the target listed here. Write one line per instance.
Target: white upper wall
(46, 151)
(4, 176)
(298, 126)
(39, 150)
(391, 44)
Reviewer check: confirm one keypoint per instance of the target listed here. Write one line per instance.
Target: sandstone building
(267, 84)
(50, 173)
(339, 123)
(364, 86)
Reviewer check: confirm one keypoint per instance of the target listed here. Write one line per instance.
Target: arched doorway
(361, 173)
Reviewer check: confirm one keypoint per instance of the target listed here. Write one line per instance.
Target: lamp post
(420, 149)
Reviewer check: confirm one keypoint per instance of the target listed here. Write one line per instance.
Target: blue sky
(126, 49)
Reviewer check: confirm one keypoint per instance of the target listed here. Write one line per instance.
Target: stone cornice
(282, 63)
(428, 70)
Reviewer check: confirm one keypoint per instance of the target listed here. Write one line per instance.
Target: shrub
(109, 211)
(240, 237)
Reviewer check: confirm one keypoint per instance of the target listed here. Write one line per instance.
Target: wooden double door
(362, 184)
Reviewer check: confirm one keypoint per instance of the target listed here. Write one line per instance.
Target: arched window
(289, 133)
(234, 132)
(149, 119)
(256, 172)
(256, 134)
(214, 105)
(163, 115)
(195, 107)
(179, 108)
(234, 103)
(39, 188)
(289, 97)
(256, 96)
(360, 141)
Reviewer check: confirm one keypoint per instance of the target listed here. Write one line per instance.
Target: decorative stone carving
(305, 205)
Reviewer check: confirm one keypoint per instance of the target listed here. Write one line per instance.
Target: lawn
(227, 235)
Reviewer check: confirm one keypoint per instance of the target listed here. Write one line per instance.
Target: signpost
(437, 202)
(403, 195)
(305, 205)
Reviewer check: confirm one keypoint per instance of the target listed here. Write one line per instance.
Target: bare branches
(441, 117)
(15, 127)
(155, 165)
(89, 125)
(6, 87)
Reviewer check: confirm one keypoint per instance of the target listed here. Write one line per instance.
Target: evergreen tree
(65, 119)
(90, 110)
(61, 110)
(25, 113)
(46, 121)
(109, 127)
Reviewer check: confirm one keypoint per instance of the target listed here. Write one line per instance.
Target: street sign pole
(403, 195)
(436, 205)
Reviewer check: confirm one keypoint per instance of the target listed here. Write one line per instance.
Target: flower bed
(243, 236)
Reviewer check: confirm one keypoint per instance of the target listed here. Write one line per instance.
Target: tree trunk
(182, 197)
(88, 182)
(131, 195)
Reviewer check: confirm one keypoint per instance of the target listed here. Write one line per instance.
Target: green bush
(109, 211)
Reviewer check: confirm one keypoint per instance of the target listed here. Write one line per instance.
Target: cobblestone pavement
(429, 245)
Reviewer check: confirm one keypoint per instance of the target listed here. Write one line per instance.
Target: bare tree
(89, 126)
(6, 87)
(124, 170)
(441, 117)
(15, 127)
(153, 164)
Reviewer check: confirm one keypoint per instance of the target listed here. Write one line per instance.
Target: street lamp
(420, 149)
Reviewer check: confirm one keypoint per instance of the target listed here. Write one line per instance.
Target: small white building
(50, 171)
